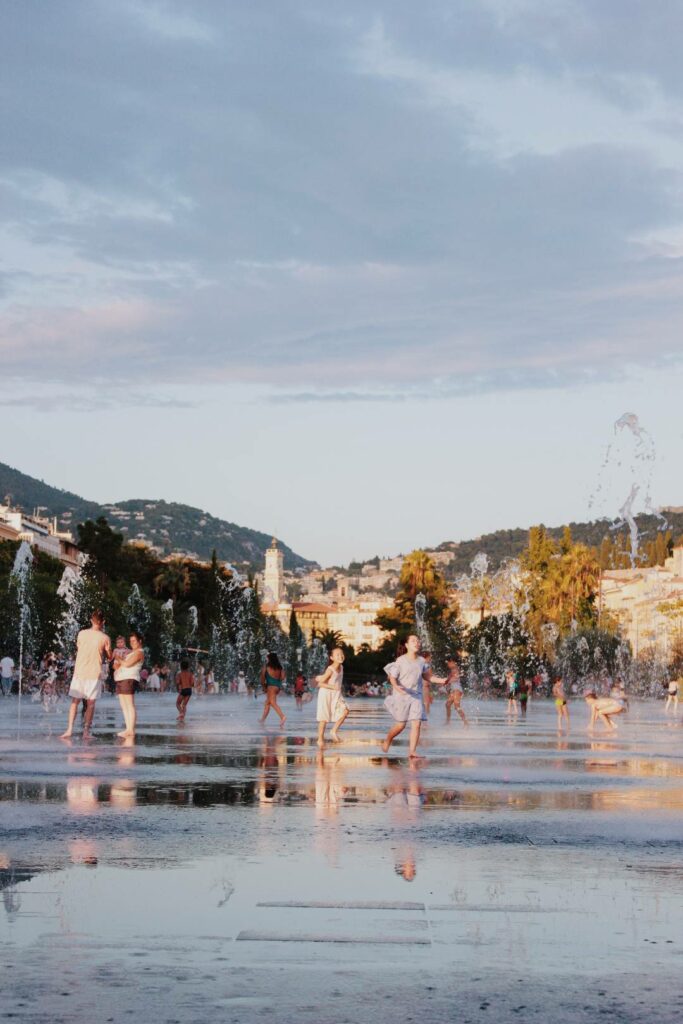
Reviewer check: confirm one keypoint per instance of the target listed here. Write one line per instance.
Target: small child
(185, 685)
(560, 705)
(299, 689)
(603, 709)
(454, 690)
(513, 690)
(331, 704)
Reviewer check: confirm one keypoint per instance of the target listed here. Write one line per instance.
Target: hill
(505, 544)
(169, 526)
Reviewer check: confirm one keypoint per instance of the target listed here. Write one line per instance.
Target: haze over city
(264, 263)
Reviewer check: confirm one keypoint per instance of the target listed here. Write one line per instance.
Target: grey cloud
(228, 195)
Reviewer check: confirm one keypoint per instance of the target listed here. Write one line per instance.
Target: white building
(647, 603)
(274, 576)
(40, 532)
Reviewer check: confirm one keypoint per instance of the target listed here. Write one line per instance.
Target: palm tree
(174, 578)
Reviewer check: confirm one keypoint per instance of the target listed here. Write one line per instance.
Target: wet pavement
(222, 871)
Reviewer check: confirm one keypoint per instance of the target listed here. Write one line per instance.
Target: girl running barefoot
(127, 676)
(603, 709)
(184, 682)
(331, 704)
(454, 690)
(272, 681)
(561, 704)
(405, 703)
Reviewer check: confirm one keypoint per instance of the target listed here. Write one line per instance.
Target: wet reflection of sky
(505, 837)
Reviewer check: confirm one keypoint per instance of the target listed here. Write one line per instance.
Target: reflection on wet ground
(220, 871)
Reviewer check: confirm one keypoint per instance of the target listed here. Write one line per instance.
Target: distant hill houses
(169, 527)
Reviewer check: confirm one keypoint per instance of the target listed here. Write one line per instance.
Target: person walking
(92, 646)
(184, 682)
(6, 674)
(454, 690)
(272, 681)
(561, 705)
(331, 705)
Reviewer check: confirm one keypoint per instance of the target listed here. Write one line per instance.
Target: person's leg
(449, 707)
(414, 738)
(178, 702)
(124, 712)
(463, 717)
(321, 733)
(395, 731)
(276, 706)
(565, 711)
(88, 717)
(73, 711)
(338, 724)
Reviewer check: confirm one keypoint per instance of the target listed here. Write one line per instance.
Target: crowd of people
(409, 687)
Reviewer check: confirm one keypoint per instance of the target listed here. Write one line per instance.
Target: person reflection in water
(405, 802)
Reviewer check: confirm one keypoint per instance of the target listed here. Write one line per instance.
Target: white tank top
(129, 672)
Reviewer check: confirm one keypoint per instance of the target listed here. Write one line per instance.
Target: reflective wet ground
(221, 871)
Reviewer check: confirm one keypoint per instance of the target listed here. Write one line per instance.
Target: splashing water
(167, 637)
(71, 591)
(20, 581)
(633, 451)
(421, 619)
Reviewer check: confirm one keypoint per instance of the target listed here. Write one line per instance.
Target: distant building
(391, 564)
(40, 532)
(274, 576)
(647, 603)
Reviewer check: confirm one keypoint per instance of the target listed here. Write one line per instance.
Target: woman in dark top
(272, 681)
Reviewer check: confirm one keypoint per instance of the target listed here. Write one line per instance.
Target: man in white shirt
(6, 674)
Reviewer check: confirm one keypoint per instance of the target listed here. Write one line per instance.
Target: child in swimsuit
(185, 685)
(560, 705)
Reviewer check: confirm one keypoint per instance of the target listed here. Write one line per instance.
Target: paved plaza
(222, 871)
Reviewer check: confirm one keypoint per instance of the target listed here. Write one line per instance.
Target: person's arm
(437, 680)
(132, 659)
(263, 676)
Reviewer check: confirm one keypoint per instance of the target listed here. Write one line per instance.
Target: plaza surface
(225, 871)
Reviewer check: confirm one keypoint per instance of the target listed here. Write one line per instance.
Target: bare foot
(334, 737)
(125, 732)
(66, 736)
(283, 720)
(321, 743)
(385, 746)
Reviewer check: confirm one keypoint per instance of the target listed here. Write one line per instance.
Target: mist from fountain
(20, 581)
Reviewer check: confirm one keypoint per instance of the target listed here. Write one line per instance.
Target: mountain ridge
(169, 526)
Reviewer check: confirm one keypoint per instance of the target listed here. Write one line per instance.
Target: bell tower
(273, 580)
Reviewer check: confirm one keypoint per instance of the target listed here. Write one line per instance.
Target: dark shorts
(126, 687)
(186, 691)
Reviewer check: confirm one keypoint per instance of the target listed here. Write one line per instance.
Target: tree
(103, 546)
(419, 575)
(174, 579)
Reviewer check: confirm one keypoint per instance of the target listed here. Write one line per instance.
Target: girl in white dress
(405, 703)
(331, 705)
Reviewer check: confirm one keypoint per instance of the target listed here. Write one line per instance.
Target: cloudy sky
(369, 275)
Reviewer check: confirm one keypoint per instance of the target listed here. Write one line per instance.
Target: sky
(368, 276)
